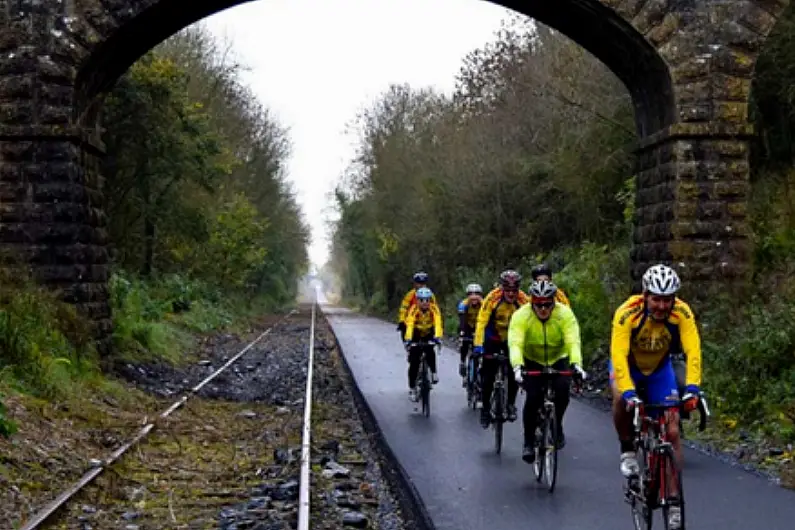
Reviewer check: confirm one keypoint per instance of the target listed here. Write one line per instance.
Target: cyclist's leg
(513, 386)
(464, 351)
(430, 358)
(534, 398)
(561, 385)
(622, 420)
(662, 390)
(488, 371)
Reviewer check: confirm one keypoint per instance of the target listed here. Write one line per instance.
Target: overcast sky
(316, 63)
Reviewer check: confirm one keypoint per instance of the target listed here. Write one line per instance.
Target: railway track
(204, 463)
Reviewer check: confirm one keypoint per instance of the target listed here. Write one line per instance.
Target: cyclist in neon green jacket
(543, 333)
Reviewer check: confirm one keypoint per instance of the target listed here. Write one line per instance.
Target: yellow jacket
(410, 300)
(561, 297)
(495, 315)
(544, 342)
(424, 324)
(639, 340)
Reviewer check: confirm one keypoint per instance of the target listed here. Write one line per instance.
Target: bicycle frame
(650, 489)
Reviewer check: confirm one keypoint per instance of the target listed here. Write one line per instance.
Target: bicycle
(650, 488)
(472, 383)
(499, 398)
(545, 465)
(423, 377)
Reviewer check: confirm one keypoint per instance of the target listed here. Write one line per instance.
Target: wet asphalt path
(466, 486)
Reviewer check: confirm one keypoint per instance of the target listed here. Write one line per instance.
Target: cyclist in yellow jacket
(410, 299)
(647, 328)
(543, 272)
(544, 333)
(424, 323)
(468, 310)
(491, 337)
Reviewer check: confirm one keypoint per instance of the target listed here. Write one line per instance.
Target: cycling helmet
(661, 280)
(543, 289)
(510, 279)
(474, 288)
(423, 293)
(420, 277)
(542, 269)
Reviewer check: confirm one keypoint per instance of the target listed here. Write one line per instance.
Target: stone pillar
(51, 219)
(691, 204)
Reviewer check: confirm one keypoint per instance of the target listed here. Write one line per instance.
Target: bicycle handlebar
(424, 343)
(702, 406)
(548, 370)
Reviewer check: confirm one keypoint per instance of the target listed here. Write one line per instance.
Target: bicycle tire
(641, 506)
(667, 460)
(425, 391)
(472, 394)
(551, 456)
(540, 458)
(497, 407)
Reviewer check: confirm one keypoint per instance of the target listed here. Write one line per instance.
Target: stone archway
(687, 64)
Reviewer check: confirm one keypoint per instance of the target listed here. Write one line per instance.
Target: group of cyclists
(537, 328)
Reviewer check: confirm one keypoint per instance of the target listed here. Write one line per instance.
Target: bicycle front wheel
(670, 488)
(498, 406)
(540, 447)
(642, 497)
(551, 449)
(425, 391)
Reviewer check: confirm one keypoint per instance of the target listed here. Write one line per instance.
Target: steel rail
(304, 481)
(45, 513)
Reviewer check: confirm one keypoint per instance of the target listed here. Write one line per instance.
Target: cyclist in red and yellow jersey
(647, 328)
(410, 299)
(542, 273)
(491, 336)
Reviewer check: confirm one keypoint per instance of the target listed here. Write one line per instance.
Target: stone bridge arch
(687, 64)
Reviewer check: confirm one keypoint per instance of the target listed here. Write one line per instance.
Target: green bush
(749, 364)
(7, 426)
(45, 345)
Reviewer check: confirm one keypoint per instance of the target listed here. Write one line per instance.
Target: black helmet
(542, 269)
(420, 277)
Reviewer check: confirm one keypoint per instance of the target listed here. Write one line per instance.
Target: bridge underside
(687, 65)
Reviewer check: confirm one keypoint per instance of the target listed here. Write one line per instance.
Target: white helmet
(474, 288)
(543, 289)
(661, 280)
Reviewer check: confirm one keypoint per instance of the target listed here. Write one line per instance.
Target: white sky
(316, 63)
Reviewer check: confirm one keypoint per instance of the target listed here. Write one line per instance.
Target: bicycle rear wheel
(498, 406)
(425, 390)
(671, 492)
